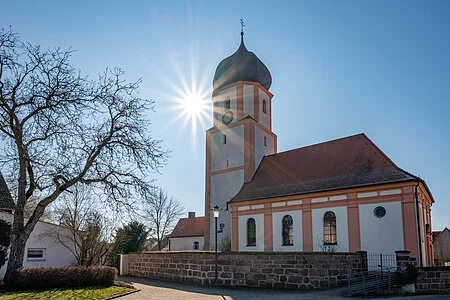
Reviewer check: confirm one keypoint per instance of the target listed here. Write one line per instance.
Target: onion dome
(243, 65)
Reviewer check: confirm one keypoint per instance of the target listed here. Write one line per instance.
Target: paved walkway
(153, 289)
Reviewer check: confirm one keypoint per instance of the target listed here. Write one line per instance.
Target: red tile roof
(343, 163)
(189, 227)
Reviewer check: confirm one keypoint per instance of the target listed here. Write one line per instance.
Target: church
(343, 195)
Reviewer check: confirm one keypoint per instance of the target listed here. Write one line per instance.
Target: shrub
(5, 240)
(48, 278)
(409, 275)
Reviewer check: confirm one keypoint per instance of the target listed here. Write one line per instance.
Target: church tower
(241, 134)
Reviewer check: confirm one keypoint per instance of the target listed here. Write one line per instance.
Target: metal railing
(381, 281)
(381, 261)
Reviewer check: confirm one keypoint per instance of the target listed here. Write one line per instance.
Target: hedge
(48, 278)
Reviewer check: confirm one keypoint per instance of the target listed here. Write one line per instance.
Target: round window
(379, 211)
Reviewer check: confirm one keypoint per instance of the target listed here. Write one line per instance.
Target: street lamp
(216, 209)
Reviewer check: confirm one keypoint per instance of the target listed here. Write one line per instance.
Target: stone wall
(433, 280)
(269, 270)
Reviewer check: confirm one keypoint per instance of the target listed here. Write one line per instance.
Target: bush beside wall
(47, 278)
(268, 270)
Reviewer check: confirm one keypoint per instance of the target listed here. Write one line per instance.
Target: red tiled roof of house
(189, 227)
(343, 163)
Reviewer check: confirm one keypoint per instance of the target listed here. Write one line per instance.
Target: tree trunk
(16, 254)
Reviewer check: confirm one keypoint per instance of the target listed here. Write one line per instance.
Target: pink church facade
(344, 195)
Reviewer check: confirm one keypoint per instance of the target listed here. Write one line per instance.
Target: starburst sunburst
(190, 103)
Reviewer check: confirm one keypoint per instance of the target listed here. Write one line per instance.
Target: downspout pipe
(419, 231)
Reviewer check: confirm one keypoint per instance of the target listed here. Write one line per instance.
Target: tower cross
(242, 25)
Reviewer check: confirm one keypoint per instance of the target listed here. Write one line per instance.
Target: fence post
(402, 259)
(364, 265)
(123, 264)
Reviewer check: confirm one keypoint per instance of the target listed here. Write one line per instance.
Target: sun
(193, 105)
(190, 107)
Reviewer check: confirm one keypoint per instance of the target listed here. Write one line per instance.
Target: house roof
(348, 162)
(435, 234)
(189, 227)
(6, 201)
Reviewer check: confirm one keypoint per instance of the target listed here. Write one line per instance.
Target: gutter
(418, 223)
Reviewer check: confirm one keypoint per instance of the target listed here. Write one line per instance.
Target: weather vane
(242, 25)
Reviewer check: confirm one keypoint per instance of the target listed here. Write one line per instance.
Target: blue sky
(339, 68)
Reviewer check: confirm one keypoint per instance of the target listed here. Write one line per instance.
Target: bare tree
(86, 233)
(61, 128)
(162, 212)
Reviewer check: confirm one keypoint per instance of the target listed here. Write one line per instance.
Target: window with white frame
(288, 231)
(329, 228)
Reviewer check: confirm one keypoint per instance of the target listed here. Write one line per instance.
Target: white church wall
(260, 149)
(341, 227)
(224, 186)
(264, 118)
(249, 101)
(381, 235)
(227, 155)
(422, 233)
(186, 243)
(277, 219)
(219, 102)
(54, 253)
(242, 224)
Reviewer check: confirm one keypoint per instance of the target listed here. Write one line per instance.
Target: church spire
(242, 31)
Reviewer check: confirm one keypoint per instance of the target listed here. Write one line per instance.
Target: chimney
(191, 214)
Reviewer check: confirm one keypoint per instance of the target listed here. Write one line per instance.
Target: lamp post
(215, 210)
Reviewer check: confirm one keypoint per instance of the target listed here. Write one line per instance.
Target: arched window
(264, 106)
(224, 140)
(287, 232)
(329, 228)
(227, 104)
(265, 141)
(196, 245)
(251, 232)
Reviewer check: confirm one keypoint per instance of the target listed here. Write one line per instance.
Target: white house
(188, 234)
(41, 250)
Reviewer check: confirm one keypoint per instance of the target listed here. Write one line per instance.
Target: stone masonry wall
(269, 270)
(433, 280)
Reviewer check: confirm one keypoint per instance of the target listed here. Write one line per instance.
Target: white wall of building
(277, 219)
(219, 103)
(186, 243)
(249, 97)
(55, 254)
(264, 118)
(381, 235)
(224, 186)
(341, 227)
(242, 224)
(227, 155)
(262, 150)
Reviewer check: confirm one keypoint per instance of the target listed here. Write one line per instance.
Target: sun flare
(191, 107)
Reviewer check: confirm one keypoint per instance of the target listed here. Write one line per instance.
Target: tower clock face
(227, 117)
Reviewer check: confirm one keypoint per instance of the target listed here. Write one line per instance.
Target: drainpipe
(418, 223)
